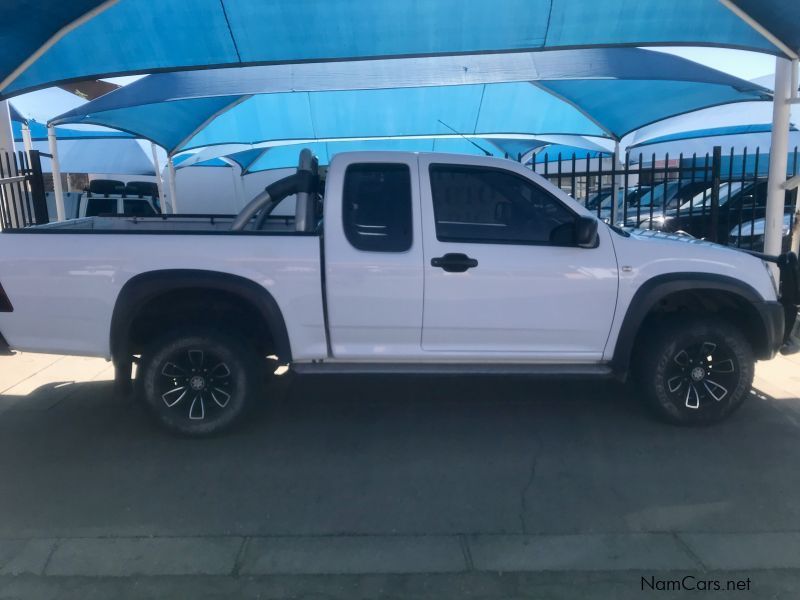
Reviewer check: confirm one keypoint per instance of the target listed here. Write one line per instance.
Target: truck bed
(63, 287)
(163, 223)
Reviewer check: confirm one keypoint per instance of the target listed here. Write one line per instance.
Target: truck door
(373, 256)
(503, 278)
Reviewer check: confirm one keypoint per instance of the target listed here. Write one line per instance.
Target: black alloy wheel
(694, 370)
(199, 382)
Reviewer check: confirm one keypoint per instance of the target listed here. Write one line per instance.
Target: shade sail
(145, 36)
(599, 92)
(39, 133)
(16, 116)
(116, 156)
(737, 131)
(280, 157)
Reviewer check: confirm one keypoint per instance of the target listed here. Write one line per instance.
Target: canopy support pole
(617, 184)
(793, 96)
(773, 229)
(159, 181)
(6, 131)
(58, 191)
(26, 138)
(173, 188)
(7, 147)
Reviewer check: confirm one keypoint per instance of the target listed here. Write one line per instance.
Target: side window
(101, 206)
(484, 205)
(138, 208)
(376, 207)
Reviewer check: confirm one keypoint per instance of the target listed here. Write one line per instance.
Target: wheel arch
(143, 289)
(659, 289)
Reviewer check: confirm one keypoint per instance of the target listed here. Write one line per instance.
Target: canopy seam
(230, 31)
(547, 26)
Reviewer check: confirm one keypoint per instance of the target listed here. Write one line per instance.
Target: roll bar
(304, 183)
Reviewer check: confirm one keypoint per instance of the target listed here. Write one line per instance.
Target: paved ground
(389, 487)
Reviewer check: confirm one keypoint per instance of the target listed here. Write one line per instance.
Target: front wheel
(695, 370)
(198, 382)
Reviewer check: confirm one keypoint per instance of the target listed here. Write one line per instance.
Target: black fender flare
(144, 287)
(655, 289)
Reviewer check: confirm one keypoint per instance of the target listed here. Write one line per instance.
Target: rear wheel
(695, 370)
(199, 383)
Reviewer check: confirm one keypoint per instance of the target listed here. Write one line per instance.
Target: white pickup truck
(400, 263)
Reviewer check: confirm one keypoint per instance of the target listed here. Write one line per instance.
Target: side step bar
(539, 370)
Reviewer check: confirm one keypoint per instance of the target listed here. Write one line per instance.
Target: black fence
(22, 195)
(719, 196)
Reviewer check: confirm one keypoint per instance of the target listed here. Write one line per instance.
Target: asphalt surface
(396, 487)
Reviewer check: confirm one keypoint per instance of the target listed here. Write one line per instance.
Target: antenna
(484, 150)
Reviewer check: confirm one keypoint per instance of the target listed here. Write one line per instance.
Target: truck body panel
(524, 300)
(63, 287)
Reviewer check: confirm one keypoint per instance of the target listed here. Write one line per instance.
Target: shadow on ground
(396, 455)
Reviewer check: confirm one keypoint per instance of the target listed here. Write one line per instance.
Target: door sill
(545, 370)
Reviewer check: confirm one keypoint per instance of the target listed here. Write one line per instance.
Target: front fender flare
(659, 287)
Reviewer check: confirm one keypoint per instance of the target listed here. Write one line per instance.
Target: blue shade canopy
(180, 162)
(143, 36)
(39, 132)
(281, 157)
(599, 92)
(117, 156)
(16, 116)
(733, 130)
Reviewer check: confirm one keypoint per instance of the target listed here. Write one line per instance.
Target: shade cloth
(142, 36)
(598, 92)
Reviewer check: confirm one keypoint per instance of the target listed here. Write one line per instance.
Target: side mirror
(586, 232)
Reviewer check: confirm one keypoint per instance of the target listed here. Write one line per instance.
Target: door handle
(454, 262)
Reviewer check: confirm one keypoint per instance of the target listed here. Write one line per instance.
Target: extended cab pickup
(394, 262)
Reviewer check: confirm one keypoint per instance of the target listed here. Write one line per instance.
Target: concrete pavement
(392, 487)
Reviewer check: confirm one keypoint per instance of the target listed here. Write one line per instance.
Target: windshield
(701, 199)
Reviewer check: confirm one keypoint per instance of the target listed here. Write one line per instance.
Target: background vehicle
(396, 262)
(110, 197)
(660, 197)
(738, 203)
(751, 234)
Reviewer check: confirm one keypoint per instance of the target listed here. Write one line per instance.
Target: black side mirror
(586, 232)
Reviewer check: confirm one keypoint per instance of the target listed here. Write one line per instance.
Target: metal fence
(720, 196)
(22, 195)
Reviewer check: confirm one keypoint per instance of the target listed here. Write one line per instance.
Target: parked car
(661, 197)
(600, 203)
(396, 263)
(751, 235)
(738, 202)
(111, 197)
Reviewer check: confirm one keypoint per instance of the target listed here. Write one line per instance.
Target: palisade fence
(720, 196)
(22, 195)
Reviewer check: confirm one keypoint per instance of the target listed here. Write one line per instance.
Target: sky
(739, 63)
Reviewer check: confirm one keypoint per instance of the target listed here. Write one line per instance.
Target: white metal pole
(793, 93)
(773, 230)
(173, 188)
(57, 189)
(159, 181)
(7, 146)
(617, 185)
(26, 138)
(6, 131)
